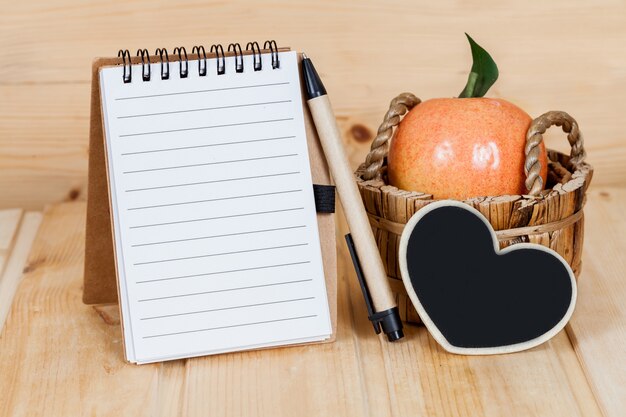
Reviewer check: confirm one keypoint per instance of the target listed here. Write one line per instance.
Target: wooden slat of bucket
(521, 213)
(388, 251)
(540, 238)
(570, 197)
(383, 242)
(421, 203)
(579, 235)
(394, 209)
(484, 207)
(416, 201)
(577, 187)
(500, 209)
(587, 173)
(405, 209)
(372, 196)
(556, 204)
(387, 238)
(388, 208)
(562, 241)
(475, 202)
(374, 205)
(413, 202)
(509, 242)
(538, 215)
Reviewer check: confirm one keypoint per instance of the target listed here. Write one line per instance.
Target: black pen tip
(395, 335)
(312, 81)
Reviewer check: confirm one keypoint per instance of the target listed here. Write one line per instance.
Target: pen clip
(371, 315)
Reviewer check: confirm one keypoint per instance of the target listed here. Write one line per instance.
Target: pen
(373, 278)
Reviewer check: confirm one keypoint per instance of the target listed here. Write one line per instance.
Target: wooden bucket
(552, 217)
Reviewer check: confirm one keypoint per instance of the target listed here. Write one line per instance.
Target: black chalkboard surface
(475, 298)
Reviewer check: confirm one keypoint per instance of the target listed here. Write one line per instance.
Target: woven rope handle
(399, 106)
(534, 137)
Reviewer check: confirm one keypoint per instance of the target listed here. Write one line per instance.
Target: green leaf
(483, 74)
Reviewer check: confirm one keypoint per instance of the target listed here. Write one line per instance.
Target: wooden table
(60, 357)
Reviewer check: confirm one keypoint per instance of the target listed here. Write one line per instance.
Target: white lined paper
(215, 227)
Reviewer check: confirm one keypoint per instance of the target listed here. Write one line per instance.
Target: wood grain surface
(14, 250)
(557, 55)
(61, 357)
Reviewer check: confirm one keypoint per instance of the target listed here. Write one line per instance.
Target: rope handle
(399, 106)
(372, 168)
(534, 137)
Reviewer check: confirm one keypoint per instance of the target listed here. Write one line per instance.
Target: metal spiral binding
(165, 69)
(203, 65)
(271, 45)
(256, 55)
(236, 48)
(201, 62)
(221, 60)
(145, 69)
(128, 74)
(180, 50)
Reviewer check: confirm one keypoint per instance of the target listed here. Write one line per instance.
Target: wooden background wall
(556, 55)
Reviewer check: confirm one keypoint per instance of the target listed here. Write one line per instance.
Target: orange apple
(461, 148)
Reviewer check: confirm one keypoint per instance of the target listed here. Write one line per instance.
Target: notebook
(215, 231)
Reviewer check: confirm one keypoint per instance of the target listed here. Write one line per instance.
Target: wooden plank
(356, 49)
(587, 402)
(61, 357)
(12, 274)
(598, 326)
(9, 223)
(85, 373)
(359, 374)
(422, 379)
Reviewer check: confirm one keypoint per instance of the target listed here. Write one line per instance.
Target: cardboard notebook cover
(100, 274)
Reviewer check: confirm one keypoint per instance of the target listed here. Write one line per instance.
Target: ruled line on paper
(178, 93)
(234, 106)
(181, 148)
(188, 184)
(220, 254)
(217, 217)
(231, 326)
(228, 271)
(260, 158)
(275, 229)
(227, 308)
(225, 290)
(187, 129)
(215, 199)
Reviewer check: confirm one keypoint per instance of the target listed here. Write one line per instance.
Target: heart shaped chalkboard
(475, 298)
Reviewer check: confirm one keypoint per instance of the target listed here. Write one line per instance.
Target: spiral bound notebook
(215, 234)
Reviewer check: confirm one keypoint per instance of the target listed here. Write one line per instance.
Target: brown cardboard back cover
(100, 285)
